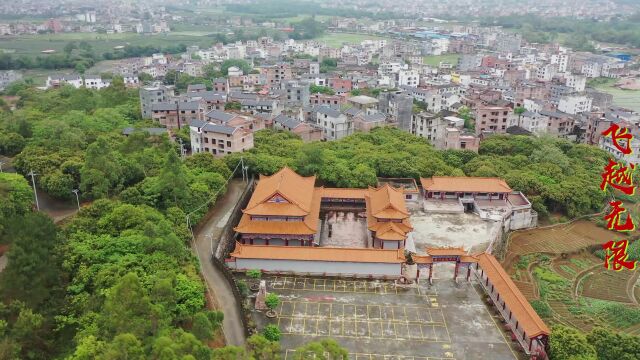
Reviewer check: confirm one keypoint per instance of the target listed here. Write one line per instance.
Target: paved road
(218, 286)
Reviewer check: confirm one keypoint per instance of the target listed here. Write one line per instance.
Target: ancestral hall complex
(292, 226)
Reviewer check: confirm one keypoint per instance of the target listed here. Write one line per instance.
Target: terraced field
(615, 283)
(554, 267)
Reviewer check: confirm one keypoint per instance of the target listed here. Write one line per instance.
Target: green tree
(566, 343)
(32, 272)
(272, 301)
(202, 327)
(16, 195)
(239, 63)
(172, 180)
(258, 347)
(614, 346)
(127, 308)
(272, 332)
(314, 89)
(233, 105)
(124, 347)
(229, 353)
(321, 350)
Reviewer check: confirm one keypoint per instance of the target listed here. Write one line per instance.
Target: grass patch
(34, 44)
(335, 40)
(434, 60)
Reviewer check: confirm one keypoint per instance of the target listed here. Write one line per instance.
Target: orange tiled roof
(390, 231)
(457, 251)
(386, 230)
(387, 202)
(305, 253)
(248, 226)
(343, 193)
(509, 292)
(465, 184)
(295, 189)
(308, 226)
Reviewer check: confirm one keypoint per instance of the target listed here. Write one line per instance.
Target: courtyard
(376, 320)
(464, 230)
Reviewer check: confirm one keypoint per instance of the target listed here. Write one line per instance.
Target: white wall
(320, 267)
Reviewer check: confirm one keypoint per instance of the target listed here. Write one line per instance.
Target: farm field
(567, 284)
(35, 44)
(625, 98)
(336, 40)
(434, 60)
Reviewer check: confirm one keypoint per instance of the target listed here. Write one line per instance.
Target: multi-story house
(219, 140)
(175, 115)
(308, 132)
(276, 74)
(153, 95)
(399, 106)
(408, 78)
(574, 104)
(494, 119)
(96, 82)
(334, 124)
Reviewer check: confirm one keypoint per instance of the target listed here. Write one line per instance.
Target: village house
(334, 124)
(175, 115)
(219, 140)
(308, 132)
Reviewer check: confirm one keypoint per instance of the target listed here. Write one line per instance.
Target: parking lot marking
(370, 356)
(346, 286)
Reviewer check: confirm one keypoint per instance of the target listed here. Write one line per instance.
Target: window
(229, 143)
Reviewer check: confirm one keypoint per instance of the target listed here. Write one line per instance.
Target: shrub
(243, 288)
(254, 274)
(272, 301)
(272, 332)
(541, 307)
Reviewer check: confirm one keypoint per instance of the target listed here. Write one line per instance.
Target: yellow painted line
(499, 329)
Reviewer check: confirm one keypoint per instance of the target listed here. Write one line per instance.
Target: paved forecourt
(375, 320)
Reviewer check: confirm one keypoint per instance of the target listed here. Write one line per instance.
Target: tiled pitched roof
(465, 184)
(528, 319)
(297, 190)
(387, 202)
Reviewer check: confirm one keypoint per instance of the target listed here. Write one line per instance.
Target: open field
(625, 98)
(35, 44)
(336, 40)
(434, 60)
(376, 320)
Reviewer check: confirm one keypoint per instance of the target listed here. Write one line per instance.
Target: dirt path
(206, 233)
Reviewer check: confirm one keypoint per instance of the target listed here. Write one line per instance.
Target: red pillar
(468, 271)
(430, 272)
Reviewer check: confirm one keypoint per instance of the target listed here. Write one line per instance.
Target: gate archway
(438, 255)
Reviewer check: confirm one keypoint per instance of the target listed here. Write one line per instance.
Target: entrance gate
(436, 255)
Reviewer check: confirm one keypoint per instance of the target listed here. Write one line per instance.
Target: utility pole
(244, 169)
(35, 192)
(75, 191)
(183, 151)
